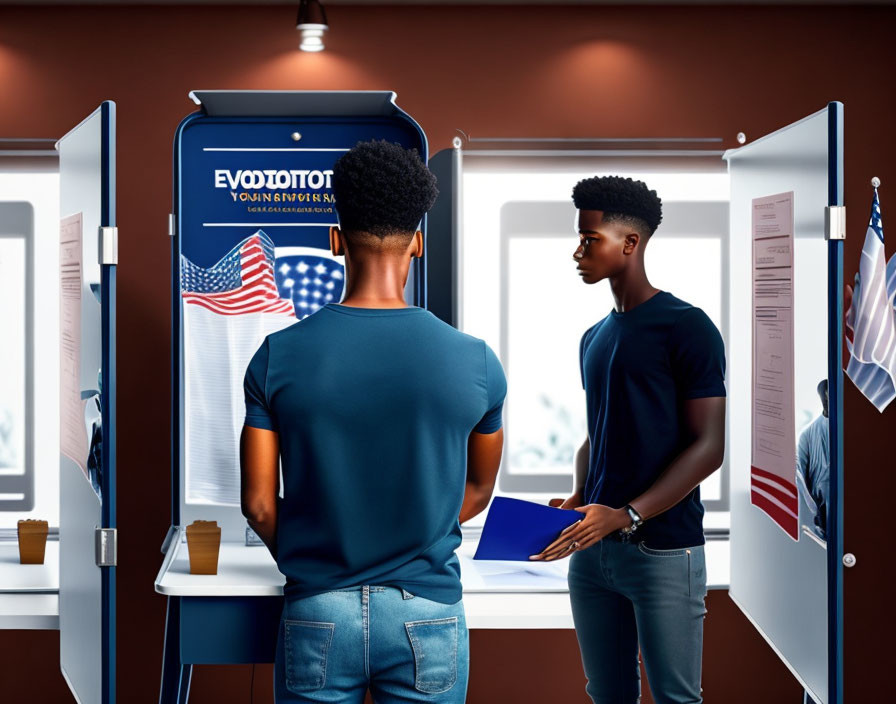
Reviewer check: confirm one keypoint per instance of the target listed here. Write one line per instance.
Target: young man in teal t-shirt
(387, 423)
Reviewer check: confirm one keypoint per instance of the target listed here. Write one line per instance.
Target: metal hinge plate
(835, 222)
(109, 245)
(172, 225)
(106, 544)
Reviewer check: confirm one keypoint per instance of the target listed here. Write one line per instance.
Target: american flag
(241, 282)
(308, 279)
(871, 319)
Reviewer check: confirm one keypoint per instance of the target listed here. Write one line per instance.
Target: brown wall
(525, 71)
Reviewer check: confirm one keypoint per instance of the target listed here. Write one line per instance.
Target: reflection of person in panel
(813, 465)
(653, 373)
(388, 426)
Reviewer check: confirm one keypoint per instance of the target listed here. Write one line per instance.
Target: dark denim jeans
(333, 646)
(625, 596)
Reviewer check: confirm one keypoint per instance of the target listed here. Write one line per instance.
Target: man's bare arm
(260, 482)
(705, 421)
(483, 461)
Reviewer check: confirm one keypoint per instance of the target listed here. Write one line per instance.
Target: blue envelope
(515, 529)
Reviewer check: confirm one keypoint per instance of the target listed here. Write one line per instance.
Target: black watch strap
(635, 516)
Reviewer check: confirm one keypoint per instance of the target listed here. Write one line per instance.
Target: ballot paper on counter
(515, 529)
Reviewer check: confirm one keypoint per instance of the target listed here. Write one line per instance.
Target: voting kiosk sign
(254, 206)
(258, 285)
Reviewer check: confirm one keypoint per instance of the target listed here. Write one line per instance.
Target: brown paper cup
(32, 542)
(203, 545)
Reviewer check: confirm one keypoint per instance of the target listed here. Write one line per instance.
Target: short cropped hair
(382, 189)
(621, 200)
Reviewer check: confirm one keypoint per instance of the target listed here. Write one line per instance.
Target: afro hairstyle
(621, 200)
(382, 189)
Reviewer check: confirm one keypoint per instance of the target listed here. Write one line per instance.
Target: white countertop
(29, 594)
(496, 594)
(15, 577)
(29, 611)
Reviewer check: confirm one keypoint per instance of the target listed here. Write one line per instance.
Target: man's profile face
(600, 253)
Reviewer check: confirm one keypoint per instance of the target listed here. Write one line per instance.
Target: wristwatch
(636, 520)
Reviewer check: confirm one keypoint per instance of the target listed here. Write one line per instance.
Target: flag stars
(302, 267)
(321, 268)
(284, 268)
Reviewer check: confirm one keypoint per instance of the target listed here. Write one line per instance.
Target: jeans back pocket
(306, 644)
(435, 653)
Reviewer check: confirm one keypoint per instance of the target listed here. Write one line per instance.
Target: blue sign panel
(254, 205)
(239, 176)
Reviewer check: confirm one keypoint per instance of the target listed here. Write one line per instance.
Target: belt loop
(406, 595)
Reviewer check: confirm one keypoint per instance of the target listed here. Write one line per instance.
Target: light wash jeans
(332, 647)
(625, 595)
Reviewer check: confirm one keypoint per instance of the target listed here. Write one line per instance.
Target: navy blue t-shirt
(373, 408)
(638, 369)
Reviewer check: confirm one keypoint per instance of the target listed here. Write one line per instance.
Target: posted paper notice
(73, 431)
(773, 457)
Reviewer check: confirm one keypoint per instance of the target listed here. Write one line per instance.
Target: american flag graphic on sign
(241, 282)
(229, 308)
(308, 279)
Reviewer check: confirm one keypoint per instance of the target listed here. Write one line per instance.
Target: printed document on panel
(773, 470)
(73, 432)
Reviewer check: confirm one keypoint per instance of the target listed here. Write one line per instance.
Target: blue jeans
(625, 595)
(332, 647)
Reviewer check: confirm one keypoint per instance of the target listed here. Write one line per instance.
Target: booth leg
(175, 688)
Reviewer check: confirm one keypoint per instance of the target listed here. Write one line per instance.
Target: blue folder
(516, 529)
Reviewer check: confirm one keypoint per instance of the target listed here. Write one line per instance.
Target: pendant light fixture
(312, 23)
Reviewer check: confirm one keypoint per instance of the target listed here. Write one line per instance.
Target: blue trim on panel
(108, 396)
(835, 413)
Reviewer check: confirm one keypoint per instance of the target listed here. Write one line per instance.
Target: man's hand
(598, 522)
(573, 501)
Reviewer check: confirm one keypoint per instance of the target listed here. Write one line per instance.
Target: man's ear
(416, 248)
(337, 242)
(632, 239)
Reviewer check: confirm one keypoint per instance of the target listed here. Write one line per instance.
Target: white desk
(29, 594)
(496, 594)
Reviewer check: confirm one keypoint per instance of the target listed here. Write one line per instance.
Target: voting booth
(753, 236)
(74, 588)
(788, 220)
(253, 205)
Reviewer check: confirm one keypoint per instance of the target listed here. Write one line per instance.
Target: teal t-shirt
(373, 408)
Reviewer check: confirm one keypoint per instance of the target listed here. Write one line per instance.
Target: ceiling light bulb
(312, 23)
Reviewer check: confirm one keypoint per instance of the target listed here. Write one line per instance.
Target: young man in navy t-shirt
(387, 423)
(653, 371)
